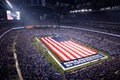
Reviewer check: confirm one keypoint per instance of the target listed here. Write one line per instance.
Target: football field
(69, 54)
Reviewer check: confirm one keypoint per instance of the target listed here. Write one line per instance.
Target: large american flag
(67, 50)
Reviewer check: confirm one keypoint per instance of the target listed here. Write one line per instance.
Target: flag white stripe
(64, 57)
(82, 47)
(87, 53)
(71, 57)
(74, 49)
(73, 53)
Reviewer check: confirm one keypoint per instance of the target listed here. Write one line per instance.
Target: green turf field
(50, 57)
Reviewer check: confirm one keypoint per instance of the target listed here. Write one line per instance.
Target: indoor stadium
(59, 39)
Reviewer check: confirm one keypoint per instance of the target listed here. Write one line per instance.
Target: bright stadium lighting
(108, 8)
(90, 10)
(82, 10)
(79, 10)
(9, 3)
(85, 10)
(73, 11)
(18, 15)
(76, 11)
(70, 11)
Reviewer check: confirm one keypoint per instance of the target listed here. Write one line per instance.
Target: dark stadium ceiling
(62, 5)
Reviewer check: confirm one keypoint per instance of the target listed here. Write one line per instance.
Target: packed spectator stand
(95, 23)
(35, 67)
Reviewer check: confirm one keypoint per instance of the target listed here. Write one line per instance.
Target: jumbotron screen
(13, 15)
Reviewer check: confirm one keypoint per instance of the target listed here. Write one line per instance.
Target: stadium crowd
(35, 67)
(7, 62)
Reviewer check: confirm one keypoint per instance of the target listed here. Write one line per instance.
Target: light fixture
(9, 4)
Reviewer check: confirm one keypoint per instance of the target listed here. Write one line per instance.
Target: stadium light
(85, 10)
(90, 10)
(71, 11)
(108, 8)
(82, 10)
(76, 11)
(79, 10)
(9, 3)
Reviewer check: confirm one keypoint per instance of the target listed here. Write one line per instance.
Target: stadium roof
(63, 5)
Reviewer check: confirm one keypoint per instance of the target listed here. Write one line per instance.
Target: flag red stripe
(79, 49)
(61, 49)
(86, 48)
(81, 54)
(56, 52)
(65, 48)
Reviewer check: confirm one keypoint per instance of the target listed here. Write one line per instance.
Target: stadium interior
(25, 56)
